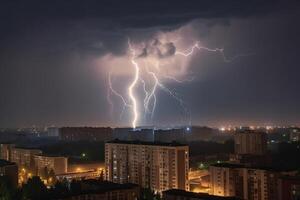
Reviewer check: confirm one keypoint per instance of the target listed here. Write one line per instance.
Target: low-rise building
(58, 164)
(24, 158)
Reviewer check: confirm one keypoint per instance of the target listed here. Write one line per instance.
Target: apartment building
(159, 166)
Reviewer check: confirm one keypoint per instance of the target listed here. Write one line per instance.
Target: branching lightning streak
(131, 87)
(146, 95)
(152, 93)
(190, 51)
(150, 98)
(178, 80)
(113, 91)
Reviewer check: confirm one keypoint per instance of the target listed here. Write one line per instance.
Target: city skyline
(57, 69)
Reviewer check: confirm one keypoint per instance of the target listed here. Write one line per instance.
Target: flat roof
(99, 187)
(268, 168)
(228, 165)
(5, 163)
(138, 142)
(202, 196)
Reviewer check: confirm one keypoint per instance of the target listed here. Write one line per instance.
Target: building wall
(288, 188)
(225, 181)
(58, 164)
(246, 183)
(11, 171)
(24, 158)
(129, 194)
(85, 133)
(5, 151)
(254, 143)
(157, 167)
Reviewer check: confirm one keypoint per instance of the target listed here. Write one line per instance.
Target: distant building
(85, 133)
(5, 151)
(133, 134)
(250, 142)
(159, 166)
(289, 188)
(295, 135)
(52, 132)
(10, 170)
(175, 194)
(142, 135)
(197, 133)
(169, 135)
(244, 182)
(24, 158)
(121, 133)
(58, 164)
(104, 190)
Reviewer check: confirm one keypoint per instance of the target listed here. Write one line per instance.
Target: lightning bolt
(132, 85)
(191, 50)
(113, 91)
(150, 98)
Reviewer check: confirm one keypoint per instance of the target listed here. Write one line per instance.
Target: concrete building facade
(159, 166)
(10, 170)
(250, 143)
(58, 164)
(244, 182)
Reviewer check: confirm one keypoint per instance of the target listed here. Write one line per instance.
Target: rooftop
(98, 187)
(138, 142)
(5, 163)
(202, 196)
(268, 168)
(228, 165)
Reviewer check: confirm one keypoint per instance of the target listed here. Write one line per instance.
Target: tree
(59, 190)
(34, 189)
(52, 177)
(148, 194)
(45, 173)
(75, 187)
(6, 190)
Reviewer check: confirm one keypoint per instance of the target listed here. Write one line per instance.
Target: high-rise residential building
(85, 133)
(244, 182)
(58, 164)
(5, 151)
(24, 158)
(10, 170)
(289, 188)
(250, 142)
(226, 180)
(159, 166)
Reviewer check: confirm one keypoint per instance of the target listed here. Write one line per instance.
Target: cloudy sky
(58, 58)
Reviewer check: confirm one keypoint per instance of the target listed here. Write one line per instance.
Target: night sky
(55, 57)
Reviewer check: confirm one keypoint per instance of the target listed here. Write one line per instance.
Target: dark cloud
(158, 49)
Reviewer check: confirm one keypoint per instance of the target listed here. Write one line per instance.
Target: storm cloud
(52, 53)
